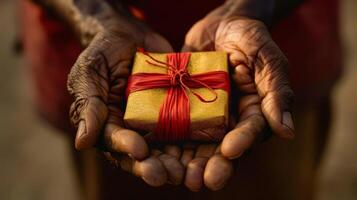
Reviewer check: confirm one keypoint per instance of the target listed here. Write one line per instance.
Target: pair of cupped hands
(259, 73)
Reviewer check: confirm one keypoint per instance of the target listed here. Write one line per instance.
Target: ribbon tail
(174, 117)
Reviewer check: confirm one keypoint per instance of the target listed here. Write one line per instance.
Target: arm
(89, 17)
(267, 11)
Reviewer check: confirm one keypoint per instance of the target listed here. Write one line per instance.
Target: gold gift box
(208, 120)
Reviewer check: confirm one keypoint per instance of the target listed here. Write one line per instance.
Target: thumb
(273, 86)
(187, 48)
(156, 43)
(190, 46)
(88, 84)
(201, 36)
(89, 115)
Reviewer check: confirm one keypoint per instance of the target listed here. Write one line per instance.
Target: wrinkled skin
(98, 79)
(264, 95)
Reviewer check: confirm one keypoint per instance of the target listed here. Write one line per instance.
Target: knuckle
(197, 163)
(274, 73)
(285, 95)
(126, 40)
(271, 55)
(89, 77)
(256, 31)
(194, 164)
(78, 71)
(252, 31)
(76, 109)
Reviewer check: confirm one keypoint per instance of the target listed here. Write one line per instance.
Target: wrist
(262, 10)
(113, 19)
(89, 17)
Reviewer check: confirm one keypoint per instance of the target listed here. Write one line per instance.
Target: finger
(206, 150)
(243, 78)
(174, 169)
(249, 128)
(194, 173)
(173, 150)
(187, 156)
(274, 90)
(188, 153)
(122, 140)
(92, 117)
(201, 36)
(195, 168)
(151, 170)
(242, 74)
(187, 48)
(88, 84)
(156, 152)
(217, 172)
(194, 45)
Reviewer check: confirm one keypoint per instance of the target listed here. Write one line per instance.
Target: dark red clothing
(50, 50)
(310, 38)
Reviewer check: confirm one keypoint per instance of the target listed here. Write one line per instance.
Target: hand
(97, 82)
(264, 94)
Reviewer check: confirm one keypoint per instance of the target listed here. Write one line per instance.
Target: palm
(261, 87)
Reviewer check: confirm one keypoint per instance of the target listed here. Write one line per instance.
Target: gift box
(179, 96)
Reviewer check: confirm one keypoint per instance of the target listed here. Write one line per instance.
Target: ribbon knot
(174, 117)
(178, 78)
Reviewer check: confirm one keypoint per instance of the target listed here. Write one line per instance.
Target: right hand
(259, 75)
(97, 82)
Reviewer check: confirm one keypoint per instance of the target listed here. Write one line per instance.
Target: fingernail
(288, 120)
(236, 156)
(81, 129)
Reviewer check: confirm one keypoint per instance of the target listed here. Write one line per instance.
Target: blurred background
(35, 161)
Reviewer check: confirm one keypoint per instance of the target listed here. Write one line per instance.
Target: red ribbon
(174, 117)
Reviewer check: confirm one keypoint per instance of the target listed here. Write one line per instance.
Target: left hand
(265, 96)
(97, 83)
